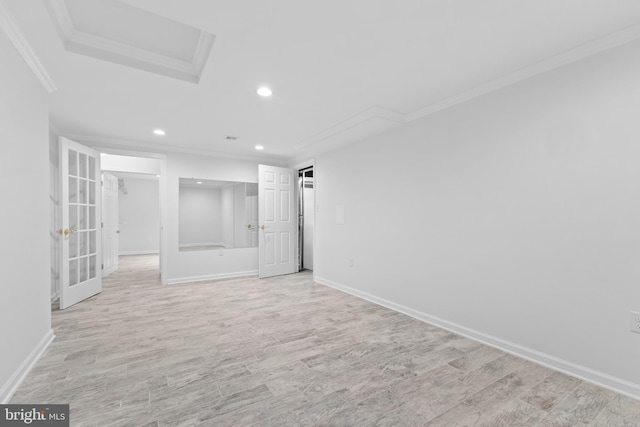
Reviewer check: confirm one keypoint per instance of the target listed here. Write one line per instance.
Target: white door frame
(163, 197)
(109, 224)
(303, 165)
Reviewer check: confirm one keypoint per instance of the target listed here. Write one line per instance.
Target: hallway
(285, 351)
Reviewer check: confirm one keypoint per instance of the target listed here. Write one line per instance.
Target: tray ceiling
(123, 34)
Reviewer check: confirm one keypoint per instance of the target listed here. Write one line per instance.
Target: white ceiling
(339, 69)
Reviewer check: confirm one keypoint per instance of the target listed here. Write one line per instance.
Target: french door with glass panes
(80, 275)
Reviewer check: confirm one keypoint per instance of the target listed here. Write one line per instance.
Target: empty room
(338, 213)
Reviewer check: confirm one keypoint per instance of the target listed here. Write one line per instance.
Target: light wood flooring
(287, 352)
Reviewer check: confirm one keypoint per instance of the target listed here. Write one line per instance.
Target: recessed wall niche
(217, 214)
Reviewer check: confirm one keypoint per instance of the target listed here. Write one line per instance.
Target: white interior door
(278, 221)
(110, 224)
(80, 202)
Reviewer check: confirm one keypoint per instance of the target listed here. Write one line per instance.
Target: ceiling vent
(123, 34)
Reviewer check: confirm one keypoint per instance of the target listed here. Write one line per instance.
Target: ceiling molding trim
(58, 11)
(363, 125)
(201, 54)
(133, 175)
(98, 47)
(88, 44)
(19, 41)
(129, 145)
(581, 52)
(302, 162)
(359, 120)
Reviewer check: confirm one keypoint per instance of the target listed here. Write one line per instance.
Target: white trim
(125, 151)
(86, 43)
(209, 277)
(147, 252)
(303, 164)
(19, 41)
(9, 388)
(395, 119)
(60, 14)
(298, 166)
(601, 379)
(125, 54)
(112, 144)
(201, 54)
(55, 295)
(588, 49)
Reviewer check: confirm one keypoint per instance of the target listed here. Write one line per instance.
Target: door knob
(262, 227)
(66, 231)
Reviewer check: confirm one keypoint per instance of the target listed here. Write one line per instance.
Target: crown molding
(359, 121)
(201, 54)
(19, 41)
(98, 47)
(58, 11)
(301, 162)
(89, 44)
(150, 148)
(332, 136)
(576, 54)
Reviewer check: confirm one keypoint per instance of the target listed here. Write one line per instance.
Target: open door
(277, 245)
(80, 276)
(110, 224)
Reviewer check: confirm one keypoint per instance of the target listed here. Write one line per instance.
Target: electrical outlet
(634, 322)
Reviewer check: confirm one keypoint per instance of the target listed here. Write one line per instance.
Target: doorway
(306, 218)
(132, 225)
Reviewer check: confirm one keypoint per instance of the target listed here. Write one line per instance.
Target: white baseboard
(211, 277)
(121, 253)
(587, 374)
(9, 388)
(54, 296)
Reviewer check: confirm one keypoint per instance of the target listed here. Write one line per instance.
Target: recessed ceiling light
(264, 91)
(259, 147)
(199, 182)
(158, 176)
(159, 132)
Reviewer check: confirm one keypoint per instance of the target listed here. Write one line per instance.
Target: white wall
(200, 265)
(139, 217)
(514, 217)
(307, 230)
(120, 163)
(25, 313)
